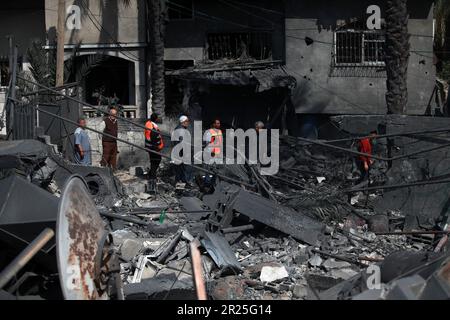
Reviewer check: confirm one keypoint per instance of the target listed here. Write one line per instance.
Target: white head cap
(183, 119)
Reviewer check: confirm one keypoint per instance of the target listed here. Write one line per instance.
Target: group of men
(154, 142)
(212, 141)
(110, 129)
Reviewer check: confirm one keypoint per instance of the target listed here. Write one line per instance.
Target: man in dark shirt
(182, 172)
(109, 158)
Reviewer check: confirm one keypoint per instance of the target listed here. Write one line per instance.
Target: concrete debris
(130, 248)
(271, 274)
(221, 252)
(344, 274)
(161, 287)
(300, 291)
(333, 264)
(315, 261)
(300, 234)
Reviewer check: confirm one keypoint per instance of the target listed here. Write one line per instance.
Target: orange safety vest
(153, 138)
(216, 141)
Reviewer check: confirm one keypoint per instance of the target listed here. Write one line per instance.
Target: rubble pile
(248, 255)
(297, 235)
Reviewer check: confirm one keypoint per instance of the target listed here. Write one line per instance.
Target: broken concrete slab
(300, 291)
(161, 287)
(266, 211)
(221, 252)
(333, 264)
(162, 229)
(25, 211)
(271, 274)
(408, 288)
(119, 236)
(194, 204)
(315, 261)
(344, 273)
(130, 249)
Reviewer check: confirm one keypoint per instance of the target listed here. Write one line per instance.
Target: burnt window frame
(265, 36)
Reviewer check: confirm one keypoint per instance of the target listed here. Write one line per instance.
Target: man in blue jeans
(82, 152)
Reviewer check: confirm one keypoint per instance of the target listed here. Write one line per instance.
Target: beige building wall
(109, 28)
(102, 22)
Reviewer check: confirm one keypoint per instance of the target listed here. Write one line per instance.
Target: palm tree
(397, 56)
(442, 16)
(157, 17)
(442, 40)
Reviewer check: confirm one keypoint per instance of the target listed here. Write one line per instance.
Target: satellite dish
(80, 238)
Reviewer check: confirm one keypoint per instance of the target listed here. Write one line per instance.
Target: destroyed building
(312, 231)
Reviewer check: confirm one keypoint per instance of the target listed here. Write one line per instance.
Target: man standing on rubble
(109, 143)
(154, 142)
(182, 172)
(82, 152)
(365, 162)
(259, 125)
(213, 140)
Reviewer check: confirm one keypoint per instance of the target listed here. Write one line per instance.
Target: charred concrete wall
(102, 22)
(190, 34)
(322, 89)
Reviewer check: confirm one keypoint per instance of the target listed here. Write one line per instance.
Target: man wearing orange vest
(213, 139)
(153, 141)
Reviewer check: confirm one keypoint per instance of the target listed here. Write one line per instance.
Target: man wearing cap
(109, 139)
(182, 173)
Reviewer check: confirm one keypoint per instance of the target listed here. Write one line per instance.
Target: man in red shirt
(364, 162)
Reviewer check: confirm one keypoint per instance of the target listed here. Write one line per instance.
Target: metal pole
(238, 229)
(162, 258)
(25, 256)
(11, 53)
(197, 270)
(124, 218)
(12, 92)
(61, 31)
(326, 254)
